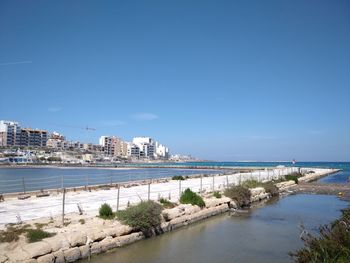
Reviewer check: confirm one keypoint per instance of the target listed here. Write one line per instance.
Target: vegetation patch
(240, 194)
(332, 245)
(13, 232)
(178, 177)
(189, 197)
(82, 221)
(166, 203)
(106, 212)
(268, 186)
(293, 177)
(217, 194)
(35, 235)
(143, 216)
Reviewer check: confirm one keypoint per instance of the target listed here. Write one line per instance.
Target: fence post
(201, 186)
(63, 204)
(62, 182)
(213, 183)
(118, 197)
(24, 185)
(226, 181)
(259, 176)
(240, 178)
(111, 180)
(179, 189)
(273, 174)
(149, 190)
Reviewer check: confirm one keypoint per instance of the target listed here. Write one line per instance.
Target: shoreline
(78, 241)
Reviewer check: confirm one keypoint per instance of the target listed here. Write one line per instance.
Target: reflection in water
(264, 234)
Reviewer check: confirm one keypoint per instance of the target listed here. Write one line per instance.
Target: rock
(2, 258)
(257, 191)
(96, 234)
(59, 256)
(212, 202)
(172, 213)
(165, 226)
(117, 230)
(128, 239)
(76, 238)
(58, 242)
(95, 248)
(72, 254)
(107, 244)
(32, 260)
(192, 209)
(18, 254)
(37, 249)
(49, 258)
(85, 251)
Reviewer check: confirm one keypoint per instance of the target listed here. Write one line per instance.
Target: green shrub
(178, 177)
(106, 212)
(251, 184)
(217, 194)
(271, 188)
(292, 177)
(35, 235)
(189, 197)
(144, 216)
(240, 194)
(330, 245)
(82, 221)
(166, 203)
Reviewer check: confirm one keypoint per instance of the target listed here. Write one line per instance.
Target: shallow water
(262, 235)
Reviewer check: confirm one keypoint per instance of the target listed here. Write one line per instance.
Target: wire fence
(120, 197)
(28, 182)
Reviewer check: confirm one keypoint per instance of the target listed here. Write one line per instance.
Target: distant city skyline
(226, 81)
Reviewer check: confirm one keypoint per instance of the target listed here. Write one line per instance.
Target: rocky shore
(82, 239)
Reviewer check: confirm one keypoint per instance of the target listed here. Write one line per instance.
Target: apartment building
(114, 146)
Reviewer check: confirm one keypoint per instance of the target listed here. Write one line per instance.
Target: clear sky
(222, 80)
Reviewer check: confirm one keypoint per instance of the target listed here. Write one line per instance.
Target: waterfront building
(133, 151)
(146, 146)
(32, 138)
(10, 132)
(114, 146)
(162, 151)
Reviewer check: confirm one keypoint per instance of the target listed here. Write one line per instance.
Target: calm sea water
(263, 235)
(30, 179)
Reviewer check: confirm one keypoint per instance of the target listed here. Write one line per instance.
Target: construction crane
(87, 128)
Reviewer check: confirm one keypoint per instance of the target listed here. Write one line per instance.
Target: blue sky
(222, 80)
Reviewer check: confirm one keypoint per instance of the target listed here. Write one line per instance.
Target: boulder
(96, 234)
(257, 191)
(57, 242)
(76, 238)
(59, 256)
(118, 230)
(72, 254)
(84, 251)
(95, 248)
(128, 239)
(192, 209)
(107, 244)
(2, 258)
(37, 249)
(18, 254)
(172, 213)
(212, 202)
(32, 260)
(49, 258)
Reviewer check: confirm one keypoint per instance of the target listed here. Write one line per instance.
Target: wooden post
(118, 198)
(179, 189)
(226, 181)
(24, 185)
(63, 204)
(201, 186)
(259, 176)
(149, 191)
(240, 178)
(213, 183)
(62, 183)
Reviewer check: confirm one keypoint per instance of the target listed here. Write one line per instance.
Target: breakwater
(97, 235)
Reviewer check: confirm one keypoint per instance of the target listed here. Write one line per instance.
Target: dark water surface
(264, 235)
